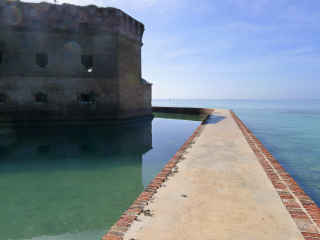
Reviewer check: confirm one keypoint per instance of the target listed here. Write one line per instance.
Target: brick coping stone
(302, 209)
(118, 230)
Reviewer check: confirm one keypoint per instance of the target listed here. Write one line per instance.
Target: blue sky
(223, 49)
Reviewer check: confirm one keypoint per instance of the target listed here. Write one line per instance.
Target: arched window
(87, 62)
(41, 59)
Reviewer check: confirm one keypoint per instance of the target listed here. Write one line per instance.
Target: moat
(74, 181)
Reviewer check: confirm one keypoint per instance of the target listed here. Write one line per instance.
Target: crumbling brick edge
(118, 230)
(302, 209)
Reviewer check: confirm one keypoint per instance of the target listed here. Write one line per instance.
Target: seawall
(221, 184)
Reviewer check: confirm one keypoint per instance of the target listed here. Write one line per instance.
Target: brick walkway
(303, 210)
(215, 188)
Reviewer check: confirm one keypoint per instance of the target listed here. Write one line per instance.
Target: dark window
(42, 59)
(83, 26)
(0, 57)
(87, 62)
(41, 97)
(2, 98)
(86, 98)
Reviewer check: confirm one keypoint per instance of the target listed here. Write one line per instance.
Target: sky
(227, 49)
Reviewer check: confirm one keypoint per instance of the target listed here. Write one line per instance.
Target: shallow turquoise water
(74, 182)
(289, 129)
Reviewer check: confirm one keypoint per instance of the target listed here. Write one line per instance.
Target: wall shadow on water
(180, 116)
(65, 180)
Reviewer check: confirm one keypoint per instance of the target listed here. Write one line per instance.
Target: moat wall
(65, 62)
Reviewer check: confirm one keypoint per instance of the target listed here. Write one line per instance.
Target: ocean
(289, 129)
(74, 181)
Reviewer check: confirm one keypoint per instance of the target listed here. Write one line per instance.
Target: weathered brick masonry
(118, 230)
(302, 209)
(66, 62)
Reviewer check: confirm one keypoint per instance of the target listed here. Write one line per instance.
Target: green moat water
(74, 182)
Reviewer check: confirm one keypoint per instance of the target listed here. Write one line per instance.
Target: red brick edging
(302, 209)
(118, 230)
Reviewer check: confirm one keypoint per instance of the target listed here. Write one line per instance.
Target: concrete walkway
(220, 192)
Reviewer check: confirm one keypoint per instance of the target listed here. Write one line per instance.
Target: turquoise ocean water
(289, 129)
(73, 182)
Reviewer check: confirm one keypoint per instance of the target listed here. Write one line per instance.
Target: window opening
(41, 97)
(87, 62)
(42, 59)
(2, 99)
(86, 98)
(0, 57)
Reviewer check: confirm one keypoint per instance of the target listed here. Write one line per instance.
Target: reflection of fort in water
(84, 174)
(69, 63)
(75, 141)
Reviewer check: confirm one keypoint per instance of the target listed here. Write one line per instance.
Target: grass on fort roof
(46, 2)
(92, 5)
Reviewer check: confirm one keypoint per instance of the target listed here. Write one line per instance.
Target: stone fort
(66, 62)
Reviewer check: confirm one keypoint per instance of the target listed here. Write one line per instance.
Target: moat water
(67, 183)
(74, 182)
(289, 129)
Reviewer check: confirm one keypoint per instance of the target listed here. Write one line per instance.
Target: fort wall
(66, 62)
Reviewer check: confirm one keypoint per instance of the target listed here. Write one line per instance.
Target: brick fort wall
(66, 62)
